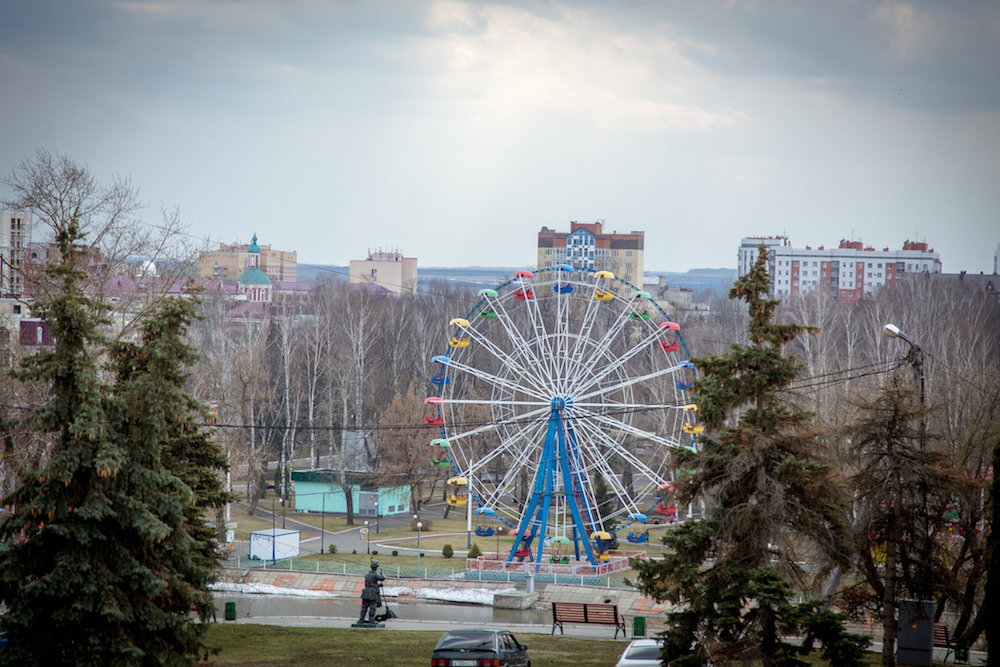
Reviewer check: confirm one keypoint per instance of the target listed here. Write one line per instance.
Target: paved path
(346, 540)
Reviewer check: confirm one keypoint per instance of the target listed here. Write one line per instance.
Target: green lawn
(272, 646)
(266, 646)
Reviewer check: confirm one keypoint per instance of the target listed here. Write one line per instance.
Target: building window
(628, 253)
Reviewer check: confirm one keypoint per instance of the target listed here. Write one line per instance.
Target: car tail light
(439, 662)
(489, 662)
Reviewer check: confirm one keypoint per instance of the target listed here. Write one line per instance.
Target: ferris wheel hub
(561, 402)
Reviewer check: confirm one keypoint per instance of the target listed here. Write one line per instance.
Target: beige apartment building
(587, 246)
(388, 270)
(227, 263)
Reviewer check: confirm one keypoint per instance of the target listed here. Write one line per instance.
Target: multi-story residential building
(587, 246)
(227, 263)
(389, 270)
(850, 271)
(14, 239)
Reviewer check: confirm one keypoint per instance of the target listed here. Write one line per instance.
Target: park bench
(942, 639)
(581, 612)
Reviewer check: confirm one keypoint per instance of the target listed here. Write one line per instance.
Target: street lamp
(419, 526)
(499, 530)
(376, 514)
(368, 538)
(916, 359)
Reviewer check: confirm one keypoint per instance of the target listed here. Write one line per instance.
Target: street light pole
(419, 526)
(915, 357)
(368, 538)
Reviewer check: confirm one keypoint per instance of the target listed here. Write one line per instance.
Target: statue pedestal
(367, 624)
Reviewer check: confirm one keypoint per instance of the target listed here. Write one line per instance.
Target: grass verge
(267, 646)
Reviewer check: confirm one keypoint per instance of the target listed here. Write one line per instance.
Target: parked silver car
(641, 653)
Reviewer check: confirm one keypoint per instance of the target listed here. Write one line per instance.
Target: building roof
(253, 276)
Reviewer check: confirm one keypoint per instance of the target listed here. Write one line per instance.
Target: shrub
(354, 551)
(395, 552)
(332, 548)
(475, 551)
(425, 524)
(374, 552)
(447, 551)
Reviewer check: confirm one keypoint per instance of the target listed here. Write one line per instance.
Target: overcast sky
(454, 130)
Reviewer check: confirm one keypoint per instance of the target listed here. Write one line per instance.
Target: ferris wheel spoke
(653, 478)
(629, 382)
(584, 361)
(508, 361)
(521, 459)
(516, 338)
(533, 416)
(589, 316)
(622, 360)
(541, 335)
(631, 406)
(617, 487)
(492, 379)
(625, 427)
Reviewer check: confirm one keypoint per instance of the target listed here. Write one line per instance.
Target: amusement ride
(558, 403)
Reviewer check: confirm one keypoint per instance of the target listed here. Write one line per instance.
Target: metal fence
(510, 576)
(324, 567)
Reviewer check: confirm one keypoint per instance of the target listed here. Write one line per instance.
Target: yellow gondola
(457, 494)
(693, 429)
(601, 295)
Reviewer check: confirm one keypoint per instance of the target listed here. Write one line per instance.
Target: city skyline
(455, 130)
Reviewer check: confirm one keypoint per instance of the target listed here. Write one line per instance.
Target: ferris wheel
(559, 402)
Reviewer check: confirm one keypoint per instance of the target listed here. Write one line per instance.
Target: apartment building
(849, 272)
(14, 238)
(587, 246)
(227, 263)
(389, 270)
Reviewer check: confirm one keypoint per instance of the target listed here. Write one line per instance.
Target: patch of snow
(268, 589)
(482, 596)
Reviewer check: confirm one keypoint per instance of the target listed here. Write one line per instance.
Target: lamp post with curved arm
(915, 357)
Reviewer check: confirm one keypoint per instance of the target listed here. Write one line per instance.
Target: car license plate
(464, 663)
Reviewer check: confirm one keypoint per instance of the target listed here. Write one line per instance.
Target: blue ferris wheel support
(557, 458)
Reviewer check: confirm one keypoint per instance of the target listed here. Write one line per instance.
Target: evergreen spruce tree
(155, 373)
(734, 574)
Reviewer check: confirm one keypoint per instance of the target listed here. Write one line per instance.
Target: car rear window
(466, 640)
(643, 653)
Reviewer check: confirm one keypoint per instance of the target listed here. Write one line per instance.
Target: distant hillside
(717, 280)
(310, 273)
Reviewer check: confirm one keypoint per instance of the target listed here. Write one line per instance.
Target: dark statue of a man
(371, 595)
